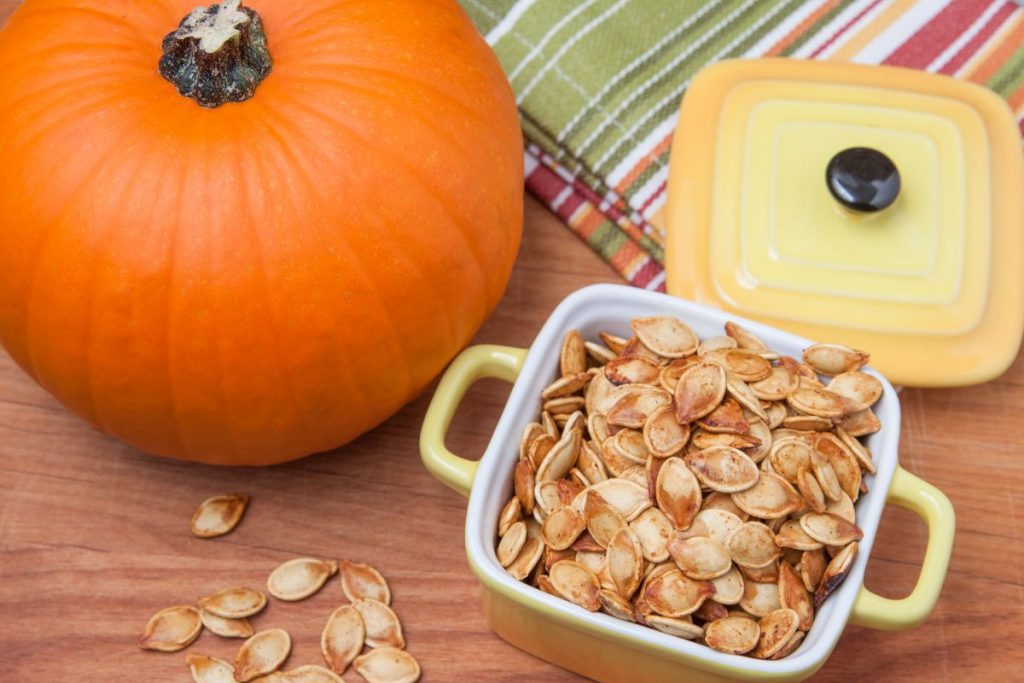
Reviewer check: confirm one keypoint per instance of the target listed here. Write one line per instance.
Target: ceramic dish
(597, 645)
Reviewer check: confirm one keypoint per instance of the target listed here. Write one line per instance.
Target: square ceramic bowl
(597, 645)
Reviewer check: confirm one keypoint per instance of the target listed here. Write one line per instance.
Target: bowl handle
(476, 362)
(934, 508)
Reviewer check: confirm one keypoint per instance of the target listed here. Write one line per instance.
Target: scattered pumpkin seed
(380, 623)
(171, 629)
(363, 581)
(654, 531)
(663, 435)
(860, 389)
(752, 545)
(744, 338)
(262, 653)
(728, 587)
(794, 595)
(614, 604)
(206, 669)
(673, 594)
(678, 493)
(300, 578)
(511, 544)
(342, 638)
(699, 390)
(310, 673)
(625, 561)
(724, 469)
(234, 603)
(218, 515)
(760, 599)
(769, 498)
(387, 665)
(226, 628)
(562, 528)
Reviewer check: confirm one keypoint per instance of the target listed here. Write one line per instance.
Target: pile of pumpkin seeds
(704, 488)
(366, 621)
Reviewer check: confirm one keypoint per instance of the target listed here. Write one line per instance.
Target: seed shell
(699, 390)
(680, 628)
(387, 665)
(733, 635)
(226, 628)
(835, 573)
(562, 528)
(380, 623)
(300, 578)
(665, 336)
(678, 493)
(673, 594)
(576, 583)
(777, 627)
(728, 587)
(793, 595)
(262, 653)
(834, 359)
(363, 581)
(663, 435)
(700, 557)
(654, 531)
(206, 669)
(342, 638)
(310, 673)
(625, 561)
(573, 359)
(752, 545)
(234, 603)
(830, 529)
(218, 515)
(724, 469)
(614, 604)
(771, 497)
(171, 629)
(527, 558)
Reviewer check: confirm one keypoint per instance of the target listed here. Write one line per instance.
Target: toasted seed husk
(551, 556)
(614, 604)
(663, 435)
(387, 665)
(234, 603)
(363, 581)
(510, 514)
(860, 423)
(835, 573)
(788, 456)
(709, 344)
(723, 501)
(629, 444)
(566, 386)
(728, 587)
(820, 402)
(562, 528)
(860, 389)
(382, 626)
(711, 610)
(744, 338)
(511, 544)
(342, 638)
(760, 599)
(826, 476)
(666, 336)
(602, 519)
(546, 498)
(812, 568)
(590, 463)
(771, 497)
(834, 359)
(637, 475)
(300, 578)
(790, 647)
(543, 582)
(576, 583)
(573, 358)
(830, 529)
(779, 384)
(701, 439)
(262, 653)
(575, 421)
(597, 427)
(550, 426)
(310, 673)
(777, 628)
(563, 405)
(527, 558)
(561, 458)
(843, 462)
(219, 515)
(524, 481)
(776, 413)
(733, 635)
(613, 341)
(811, 423)
(540, 447)
(752, 544)
(759, 432)
(744, 395)
(632, 370)
(858, 449)
(745, 364)
(226, 628)
(672, 594)
(724, 469)
(654, 531)
(678, 493)
(637, 404)
(810, 489)
(726, 418)
(700, 389)
(792, 535)
(680, 628)
(700, 557)
(716, 523)
(611, 454)
(592, 560)
(206, 669)
(843, 508)
(171, 629)
(794, 595)
(625, 561)
(766, 574)
(628, 497)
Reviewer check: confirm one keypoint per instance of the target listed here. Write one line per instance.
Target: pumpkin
(241, 235)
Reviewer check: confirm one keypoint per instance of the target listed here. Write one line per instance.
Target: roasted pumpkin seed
(601, 518)
(380, 623)
(771, 497)
(523, 481)
(678, 493)
(680, 628)
(811, 400)
(387, 665)
(299, 578)
(562, 528)
(723, 469)
(835, 573)
(614, 604)
(860, 389)
(812, 568)
(673, 594)
(760, 599)
(726, 418)
(226, 628)
(342, 638)
(218, 515)
(625, 561)
(632, 371)
(527, 558)
(699, 390)
(310, 673)
(752, 544)
(777, 627)
(792, 535)
(810, 489)
(861, 423)
(654, 531)
(715, 523)
(732, 635)
(794, 595)
(171, 629)
(662, 433)
(363, 581)
(700, 557)
(834, 359)
(565, 386)
(830, 529)
(206, 669)
(576, 583)
(511, 544)
(666, 336)
(744, 338)
(728, 587)
(234, 603)
(262, 653)
(573, 359)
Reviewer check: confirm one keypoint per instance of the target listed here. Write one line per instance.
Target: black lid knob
(863, 179)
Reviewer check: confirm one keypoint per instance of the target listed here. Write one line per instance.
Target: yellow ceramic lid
(932, 284)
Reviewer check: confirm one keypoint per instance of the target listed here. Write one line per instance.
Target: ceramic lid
(873, 206)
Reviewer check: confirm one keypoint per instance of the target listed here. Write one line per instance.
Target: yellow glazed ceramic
(597, 645)
(932, 285)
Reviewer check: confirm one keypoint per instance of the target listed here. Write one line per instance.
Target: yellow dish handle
(934, 508)
(476, 362)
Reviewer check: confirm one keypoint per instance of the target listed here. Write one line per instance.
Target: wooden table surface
(94, 535)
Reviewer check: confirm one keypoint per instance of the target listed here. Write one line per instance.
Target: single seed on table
(342, 638)
(835, 573)
(310, 673)
(387, 665)
(728, 587)
(234, 603)
(299, 578)
(511, 544)
(363, 581)
(218, 515)
(262, 653)
(206, 669)
(226, 628)
(733, 635)
(576, 583)
(171, 629)
(777, 627)
(381, 624)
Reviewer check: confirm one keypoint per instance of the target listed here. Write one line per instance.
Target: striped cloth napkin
(599, 83)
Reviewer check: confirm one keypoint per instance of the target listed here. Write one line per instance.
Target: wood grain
(94, 535)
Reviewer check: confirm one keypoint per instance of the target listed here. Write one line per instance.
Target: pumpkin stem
(217, 54)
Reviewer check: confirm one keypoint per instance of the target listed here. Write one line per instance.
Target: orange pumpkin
(252, 282)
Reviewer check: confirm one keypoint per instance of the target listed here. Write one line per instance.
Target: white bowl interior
(610, 308)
